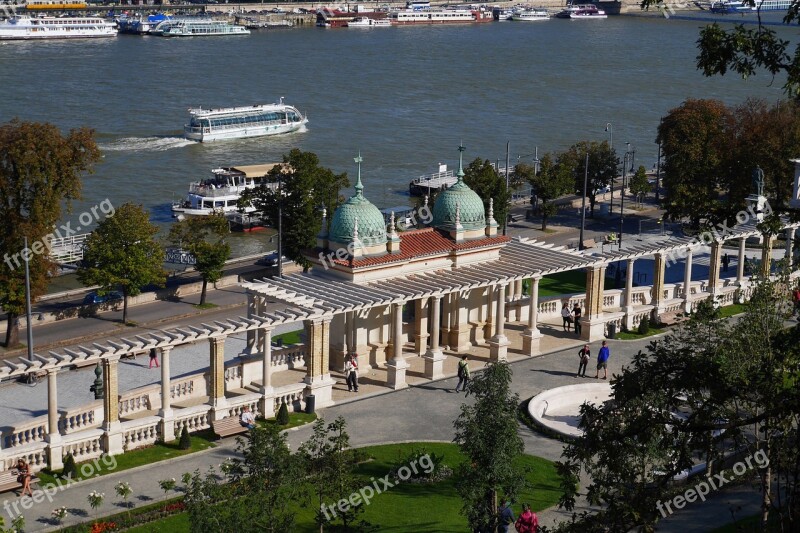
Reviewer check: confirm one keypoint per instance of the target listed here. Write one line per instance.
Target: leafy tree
(256, 492)
(305, 187)
(40, 171)
(603, 164)
(487, 183)
(638, 185)
(695, 140)
(329, 464)
(283, 415)
(736, 387)
(204, 238)
(122, 253)
(551, 182)
(746, 50)
(487, 434)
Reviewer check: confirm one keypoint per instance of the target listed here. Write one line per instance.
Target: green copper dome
(371, 226)
(459, 196)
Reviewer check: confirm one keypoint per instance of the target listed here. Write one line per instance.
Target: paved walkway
(422, 412)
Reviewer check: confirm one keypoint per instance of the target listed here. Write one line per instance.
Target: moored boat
(367, 22)
(571, 8)
(588, 11)
(334, 18)
(439, 16)
(23, 27)
(530, 15)
(198, 27)
(771, 5)
(239, 122)
(140, 25)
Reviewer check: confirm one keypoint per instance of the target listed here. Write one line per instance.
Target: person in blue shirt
(505, 516)
(602, 361)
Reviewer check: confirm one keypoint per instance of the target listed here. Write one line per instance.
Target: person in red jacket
(527, 521)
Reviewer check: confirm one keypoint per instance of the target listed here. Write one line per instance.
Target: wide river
(404, 97)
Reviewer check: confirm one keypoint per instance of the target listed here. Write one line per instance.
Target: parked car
(94, 299)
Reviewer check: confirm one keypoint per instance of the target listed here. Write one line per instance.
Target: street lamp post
(610, 130)
(508, 197)
(629, 156)
(583, 201)
(26, 256)
(280, 225)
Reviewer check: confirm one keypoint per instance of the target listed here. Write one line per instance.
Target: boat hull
(55, 36)
(257, 131)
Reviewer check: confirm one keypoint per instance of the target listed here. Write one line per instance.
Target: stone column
(396, 368)
(318, 378)
(687, 282)
(488, 327)
(790, 246)
(167, 417)
(54, 448)
(459, 329)
(216, 386)
(713, 267)
(628, 305)
(112, 431)
(657, 290)
(251, 312)
(740, 265)
(434, 358)
(593, 319)
(267, 392)
(531, 336)
(498, 345)
(766, 255)
(445, 323)
(515, 314)
(421, 312)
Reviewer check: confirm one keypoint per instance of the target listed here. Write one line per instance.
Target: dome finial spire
(460, 172)
(359, 186)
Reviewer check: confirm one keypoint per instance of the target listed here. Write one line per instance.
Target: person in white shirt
(248, 420)
(351, 372)
(566, 314)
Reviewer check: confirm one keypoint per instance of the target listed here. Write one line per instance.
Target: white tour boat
(26, 27)
(366, 22)
(238, 122)
(589, 11)
(439, 16)
(530, 15)
(198, 27)
(221, 193)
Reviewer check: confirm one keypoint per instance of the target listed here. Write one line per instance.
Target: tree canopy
(638, 184)
(40, 174)
(482, 178)
(603, 164)
(553, 180)
(305, 188)
(122, 253)
(204, 238)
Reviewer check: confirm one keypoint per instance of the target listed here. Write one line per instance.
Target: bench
(8, 481)
(589, 243)
(514, 218)
(228, 426)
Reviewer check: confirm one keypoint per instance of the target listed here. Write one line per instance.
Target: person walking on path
(602, 361)
(351, 372)
(796, 300)
(463, 374)
(527, 521)
(576, 316)
(583, 356)
(566, 314)
(153, 358)
(505, 516)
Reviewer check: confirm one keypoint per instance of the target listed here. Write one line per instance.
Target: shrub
(644, 327)
(185, 442)
(422, 466)
(70, 470)
(283, 415)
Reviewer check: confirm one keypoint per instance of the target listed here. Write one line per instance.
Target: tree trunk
(203, 292)
(544, 222)
(766, 487)
(12, 331)
(592, 201)
(125, 307)
(495, 505)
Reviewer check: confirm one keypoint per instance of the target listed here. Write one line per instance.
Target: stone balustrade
(26, 433)
(82, 418)
(140, 432)
(84, 445)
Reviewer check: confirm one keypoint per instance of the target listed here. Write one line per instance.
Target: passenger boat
(54, 4)
(572, 8)
(333, 18)
(771, 5)
(23, 27)
(439, 16)
(367, 22)
(221, 192)
(198, 27)
(589, 11)
(140, 25)
(729, 6)
(238, 122)
(530, 15)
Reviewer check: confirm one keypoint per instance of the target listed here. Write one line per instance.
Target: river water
(404, 97)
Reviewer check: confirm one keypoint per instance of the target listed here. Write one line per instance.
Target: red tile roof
(423, 243)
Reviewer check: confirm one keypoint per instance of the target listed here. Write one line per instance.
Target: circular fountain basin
(559, 409)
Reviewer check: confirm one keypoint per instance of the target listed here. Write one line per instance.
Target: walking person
(796, 300)
(153, 358)
(583, 357)
(566, 314)
(602, 361)
(505, 516)
(351, 372)
(463, 374)
(576, 316)
(24, 476)
(527, 521)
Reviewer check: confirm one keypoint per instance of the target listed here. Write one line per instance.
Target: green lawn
(408, 506)
(291, 337)
(570, 282)
(295, 419)
(731, 310)
(132, 459)
(633, 335)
